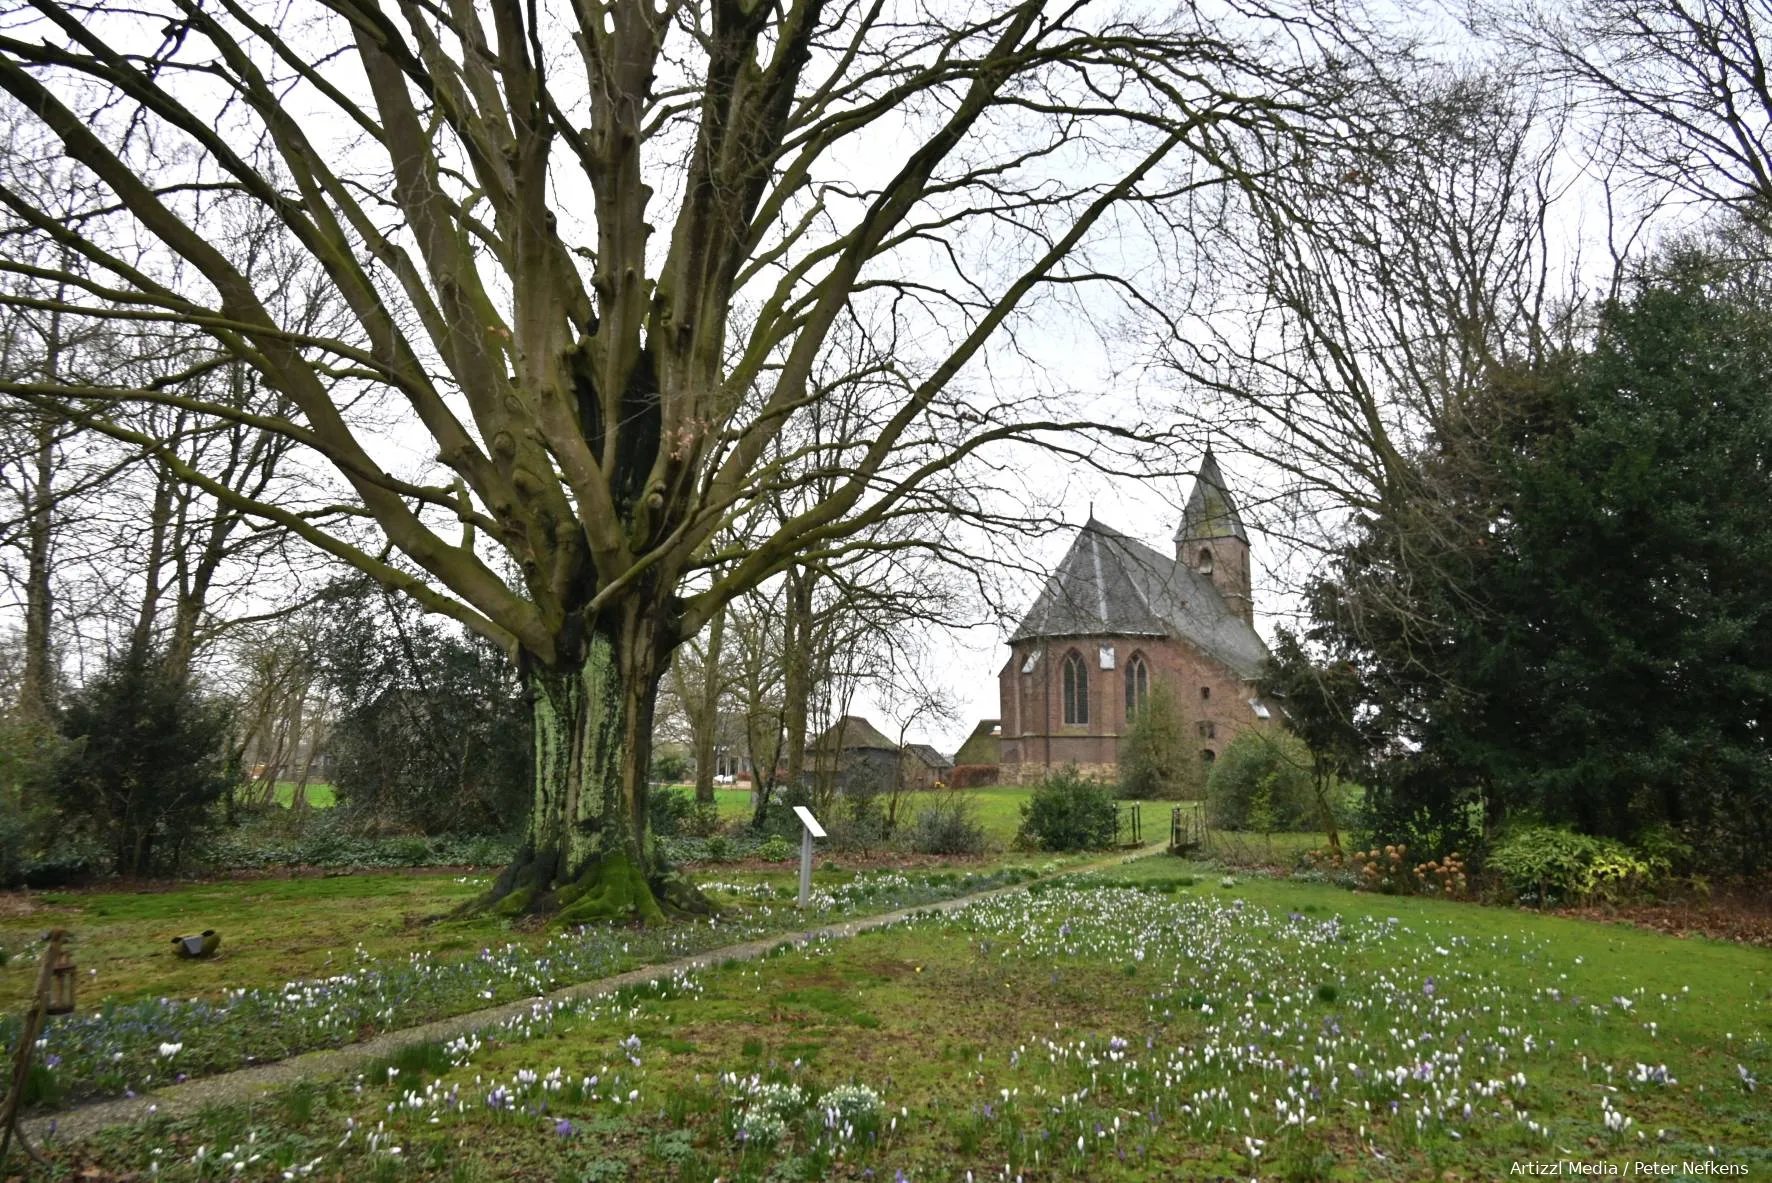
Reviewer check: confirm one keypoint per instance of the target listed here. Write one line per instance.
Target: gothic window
(1138, 684)
(1205, 560)
(1076, 689)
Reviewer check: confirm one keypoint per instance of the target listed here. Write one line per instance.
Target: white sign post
(812, 830)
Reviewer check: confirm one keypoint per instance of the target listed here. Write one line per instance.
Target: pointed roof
(852, 732)
(1211, 512)
(930, 757)
(981, 747)
(1112, 585)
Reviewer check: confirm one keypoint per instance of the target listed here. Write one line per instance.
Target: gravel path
(249, 1084)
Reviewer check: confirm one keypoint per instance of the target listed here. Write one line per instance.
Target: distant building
(983, 746)
(923, 766)
(856, 753)
(1117, 618)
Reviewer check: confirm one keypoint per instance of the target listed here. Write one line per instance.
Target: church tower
(1212, 541)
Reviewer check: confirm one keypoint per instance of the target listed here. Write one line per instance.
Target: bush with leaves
(946, 822)
(1069, 812)
(1262, 782)
(859, 822)
(670, 764)
(672, 811)
(36, 849)
(433, 733)
(145, 761)
(1550, 864)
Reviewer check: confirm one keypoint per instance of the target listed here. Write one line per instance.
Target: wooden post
(810, 830)
(27, 1042)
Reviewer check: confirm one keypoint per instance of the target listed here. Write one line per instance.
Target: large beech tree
(593, 253)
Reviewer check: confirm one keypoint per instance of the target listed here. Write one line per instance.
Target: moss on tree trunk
(588, 854)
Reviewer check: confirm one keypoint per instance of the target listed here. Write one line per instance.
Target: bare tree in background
(1682, 84)
(1381, 289)
(480, 186)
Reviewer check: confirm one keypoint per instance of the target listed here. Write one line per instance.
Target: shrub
(860, 820)
(1069, 812)
(972, 776)
(1389, 870)
(434, 733)
(670, 765)
(1157, 757)
(669, 811)
(1544, 864)
(1262, 782)
(947, 823)
(776, 849)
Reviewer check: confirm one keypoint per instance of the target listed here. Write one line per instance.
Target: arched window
(1205, 693)
(1138, 684)
(1205, 560)
(1076, 689)
(1207, 756)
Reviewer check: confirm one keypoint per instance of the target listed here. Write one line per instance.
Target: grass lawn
(316, 962)
(319, 796)
(272, 930)
(999, 809)
(1145, 1023)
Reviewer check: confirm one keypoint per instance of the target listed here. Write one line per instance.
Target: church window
(1205, 560)
(1138, 683)
(1207, 756)
(1208, 730)
(1205, 693)
(1076, 689)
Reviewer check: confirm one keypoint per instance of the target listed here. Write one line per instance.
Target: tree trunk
(37, 688)
(707, 727)
(797, 671)
(589, 853)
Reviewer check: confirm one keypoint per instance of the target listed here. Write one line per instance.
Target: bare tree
(480, 186)
(1381, 289)
(1682, 86)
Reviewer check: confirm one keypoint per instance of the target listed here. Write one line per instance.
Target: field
(1143, 1022)
(999, 810)
(319, 796)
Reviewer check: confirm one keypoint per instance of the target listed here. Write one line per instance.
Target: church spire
(1212, 541)
(1211, 511)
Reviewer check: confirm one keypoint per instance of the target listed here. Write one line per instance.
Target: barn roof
(982, 746)
(930, 757)
(851, 732)
(1112, 585)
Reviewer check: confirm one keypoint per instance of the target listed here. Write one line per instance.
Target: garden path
(250, 1084)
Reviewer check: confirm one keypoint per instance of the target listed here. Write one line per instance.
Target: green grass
(1173, 1028)
(999, 809)
(272, 930)
(319, 796)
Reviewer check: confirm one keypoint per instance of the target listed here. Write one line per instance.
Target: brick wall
(1036, 738)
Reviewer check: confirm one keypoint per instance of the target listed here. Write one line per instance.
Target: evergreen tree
(1156, 758)
(144, 763)
(1572, 622)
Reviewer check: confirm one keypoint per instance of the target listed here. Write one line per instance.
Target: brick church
(1118, 617)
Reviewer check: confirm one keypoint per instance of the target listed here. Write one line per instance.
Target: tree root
(610, 888)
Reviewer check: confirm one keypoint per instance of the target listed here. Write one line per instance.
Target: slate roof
(852, 732)
(1211, 512)
(1112, 585)
(929, 756)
